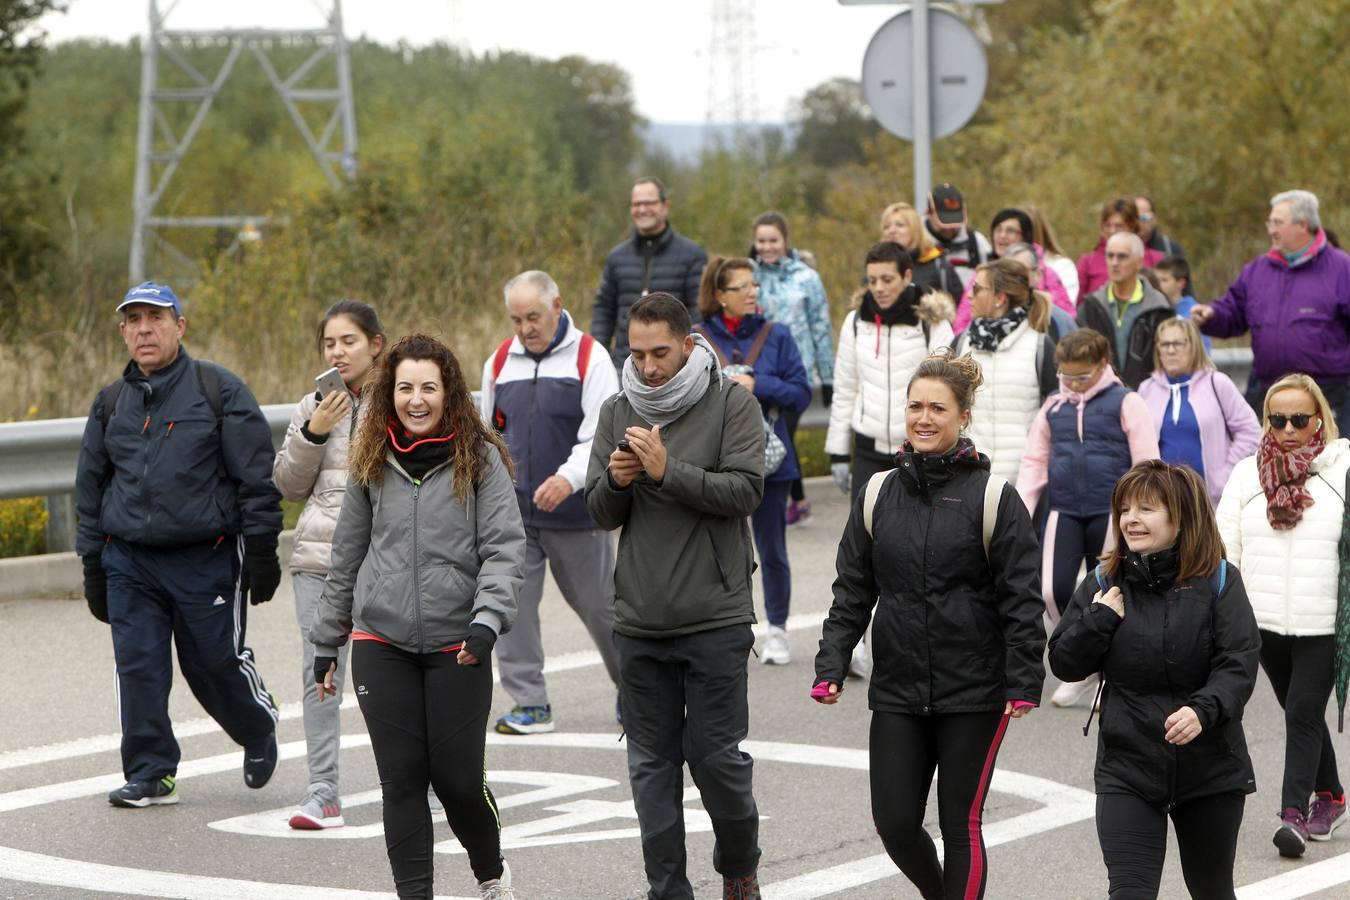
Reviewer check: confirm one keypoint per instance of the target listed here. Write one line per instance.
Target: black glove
(827, 394)
(262, 570)
(321, 664)
(96, 588)
(480, 641)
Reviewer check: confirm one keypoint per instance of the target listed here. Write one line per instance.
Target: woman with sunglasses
(1087, 434)
(763, 357)
(1280, 518)
(1201, 416)
(1168, 624)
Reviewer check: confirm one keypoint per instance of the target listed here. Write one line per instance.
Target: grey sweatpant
(582, 561)
(323, 721)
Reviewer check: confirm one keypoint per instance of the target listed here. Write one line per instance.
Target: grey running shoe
(1325, 815)
(320, 809)
(140, 794)
(498, 888)
(1291, 838)
(776, 651)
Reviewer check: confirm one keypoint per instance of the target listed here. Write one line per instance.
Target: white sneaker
(775, 651)
(861, 664)
(1071, 692)
(498, 888)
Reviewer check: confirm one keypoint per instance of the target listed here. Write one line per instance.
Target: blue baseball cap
(153, 294)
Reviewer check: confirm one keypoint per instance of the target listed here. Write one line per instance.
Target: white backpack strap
(870, 495)
(993, 493)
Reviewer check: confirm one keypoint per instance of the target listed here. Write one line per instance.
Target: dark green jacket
(685, 555)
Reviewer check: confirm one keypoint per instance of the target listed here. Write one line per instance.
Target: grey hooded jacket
(685, 557)
(414, 566)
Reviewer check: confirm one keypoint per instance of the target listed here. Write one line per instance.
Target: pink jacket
(1229, 430)
(1135, 420)
(1050, 283)
(1092, 272)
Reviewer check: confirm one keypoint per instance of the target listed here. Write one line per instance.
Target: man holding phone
(678, 463)
(178, 525)
(542, 390)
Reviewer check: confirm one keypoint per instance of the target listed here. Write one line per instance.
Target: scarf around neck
(665, 403)
(987, 334)
(1284, 476)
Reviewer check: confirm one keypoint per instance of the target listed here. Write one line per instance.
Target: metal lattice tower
(731, 63)
(159, 150)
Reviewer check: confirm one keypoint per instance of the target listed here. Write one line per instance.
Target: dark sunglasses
(1300, 420)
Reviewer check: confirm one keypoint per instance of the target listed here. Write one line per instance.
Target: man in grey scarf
(678, 463)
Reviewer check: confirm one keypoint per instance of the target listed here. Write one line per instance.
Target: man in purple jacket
(1295, 301)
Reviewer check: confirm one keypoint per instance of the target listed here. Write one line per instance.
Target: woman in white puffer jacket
(1280, 519)
(312, 466)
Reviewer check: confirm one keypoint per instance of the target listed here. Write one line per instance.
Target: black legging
(904, 752)
(1133, 835)
(427, 717)
(1302, 671)
(1069, 542)
(796, 493)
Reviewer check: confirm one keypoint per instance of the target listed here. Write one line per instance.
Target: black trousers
(1301, 671)
(1133, 835)
(797, 492)
(427, 717)
(1070, 542)
(684, 701)
(904, 752)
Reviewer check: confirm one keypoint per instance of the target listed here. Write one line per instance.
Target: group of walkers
(1024, 442)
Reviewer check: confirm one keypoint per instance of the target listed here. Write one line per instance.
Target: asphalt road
(570, 832)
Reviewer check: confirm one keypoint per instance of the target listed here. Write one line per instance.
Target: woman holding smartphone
(312, 467)
(426, 565)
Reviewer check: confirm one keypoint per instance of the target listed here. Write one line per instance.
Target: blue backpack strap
(1219, 579)
(1103, 583)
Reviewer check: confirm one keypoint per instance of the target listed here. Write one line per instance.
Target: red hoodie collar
(1319, 243)
(403, 433)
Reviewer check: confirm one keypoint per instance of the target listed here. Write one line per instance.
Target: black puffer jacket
(667, 262)
(955, 632)
(1178, 645)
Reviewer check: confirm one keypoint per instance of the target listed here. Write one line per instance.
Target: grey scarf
(666, 403)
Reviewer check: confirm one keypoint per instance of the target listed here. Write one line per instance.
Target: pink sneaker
(1291, 838)
(1325, 815)
(798, 513)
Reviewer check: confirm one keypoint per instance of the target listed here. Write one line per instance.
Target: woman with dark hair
(426, 565)
(763, 357)
(1120, 214)
(312, 466)
(1010, 230)
(1280, 517)
(1167, 624)
(945, 555)
(792, 295)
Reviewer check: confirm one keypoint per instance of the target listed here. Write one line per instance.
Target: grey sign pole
(923, 118)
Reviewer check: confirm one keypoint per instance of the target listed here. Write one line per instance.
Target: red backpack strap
(584, 356)
(499, 358)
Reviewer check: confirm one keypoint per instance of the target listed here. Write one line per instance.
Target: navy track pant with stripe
(190, 596)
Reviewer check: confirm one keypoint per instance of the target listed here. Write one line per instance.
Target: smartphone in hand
(329, 382)
(625, 446)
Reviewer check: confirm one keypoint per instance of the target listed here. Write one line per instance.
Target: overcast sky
(664, 46)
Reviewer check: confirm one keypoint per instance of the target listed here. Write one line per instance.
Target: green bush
(811, 453)
(23, 527)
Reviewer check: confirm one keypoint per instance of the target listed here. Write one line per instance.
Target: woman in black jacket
(949, 560)
(1167, 623)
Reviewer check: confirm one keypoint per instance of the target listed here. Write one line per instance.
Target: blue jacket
(165, 473)
(1083, 473)
(780, 377)
(792, 294)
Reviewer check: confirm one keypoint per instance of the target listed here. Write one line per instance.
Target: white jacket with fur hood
(1290, 575)
(873, 365)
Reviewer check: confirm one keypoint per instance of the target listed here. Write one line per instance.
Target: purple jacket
(1229, 430)
(1299, 317)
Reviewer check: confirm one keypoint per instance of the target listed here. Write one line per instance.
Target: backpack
(583, 357)
(993, 493)
(208, 380)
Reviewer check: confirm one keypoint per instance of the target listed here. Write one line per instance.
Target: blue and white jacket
(547, 416)
(792, 294)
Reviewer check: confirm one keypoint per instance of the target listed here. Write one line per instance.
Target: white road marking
(1307, 879)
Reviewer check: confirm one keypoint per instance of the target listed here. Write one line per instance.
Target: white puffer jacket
(1290, 575)
(872, 368)
(1007, 402)
(317, 474)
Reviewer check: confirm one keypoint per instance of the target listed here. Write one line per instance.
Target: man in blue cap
(178, 525)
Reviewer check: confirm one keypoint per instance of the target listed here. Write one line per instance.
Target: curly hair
(459, 418)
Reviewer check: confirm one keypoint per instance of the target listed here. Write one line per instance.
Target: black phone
(625, 446)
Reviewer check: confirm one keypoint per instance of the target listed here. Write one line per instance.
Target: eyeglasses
(1146, 217)
(1165, 346)
(1300, 420)
(645, 204)
(1077, 379)
(742, 287)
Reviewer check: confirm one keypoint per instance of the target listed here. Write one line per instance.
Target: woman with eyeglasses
(763, 357)
(1012, 228)
(1087, 434)
(792, 295)
(1202, 419)
(1008, 338)
(1280, 518)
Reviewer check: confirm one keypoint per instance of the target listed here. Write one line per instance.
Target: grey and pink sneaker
(1291, 838)
(1325, 815)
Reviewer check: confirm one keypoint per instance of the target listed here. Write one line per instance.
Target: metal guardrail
(38, 459)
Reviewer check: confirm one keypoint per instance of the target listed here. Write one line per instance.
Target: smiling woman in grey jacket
(426, 565)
